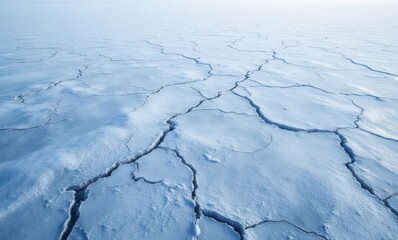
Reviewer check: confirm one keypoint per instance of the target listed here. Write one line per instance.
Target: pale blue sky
(294, 2)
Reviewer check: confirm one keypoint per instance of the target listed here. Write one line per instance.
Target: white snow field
(169, 120)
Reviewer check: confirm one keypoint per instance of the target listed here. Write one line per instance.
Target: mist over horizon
(211, 2)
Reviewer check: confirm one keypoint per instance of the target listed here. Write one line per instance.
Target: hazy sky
(295, 2)
(309, 1)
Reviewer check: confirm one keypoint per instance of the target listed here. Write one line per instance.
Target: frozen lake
(164, 120)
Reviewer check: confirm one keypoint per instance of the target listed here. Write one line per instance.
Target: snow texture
(157, 120)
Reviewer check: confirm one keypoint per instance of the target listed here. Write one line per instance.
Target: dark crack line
(387, 203)
(258, 150)
(355, 62)
(23, 61)
(119, 60)
(378, 135)
(287, 222)
(139, 87)
(275, 57)
(343, 144)
(136, 179)
(368, 67)
(33, 127)
(80, 190)
(166, 86)
(249, 51)
(316, 130)
(363, 184)
(359, 115)
(248, 74)
(74, 211)
(197, 61)
(22, 97)
(279, 125)
(319, 89)
(235, 225)
(195, 186)
(199, 92)
(115, 94)
(220, 110)
(350, 153)
(127, 143)
(392, 195)
(79, 196)
(48, 122)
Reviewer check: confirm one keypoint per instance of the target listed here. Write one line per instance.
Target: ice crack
(343, 144)
(287, 222)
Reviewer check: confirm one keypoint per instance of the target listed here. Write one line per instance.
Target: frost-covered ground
(178, 121)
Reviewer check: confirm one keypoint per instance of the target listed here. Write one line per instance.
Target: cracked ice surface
(167, 123)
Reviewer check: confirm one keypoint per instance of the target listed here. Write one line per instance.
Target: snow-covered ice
(168, 120)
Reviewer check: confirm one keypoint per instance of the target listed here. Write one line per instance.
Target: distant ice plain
(164, 120)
